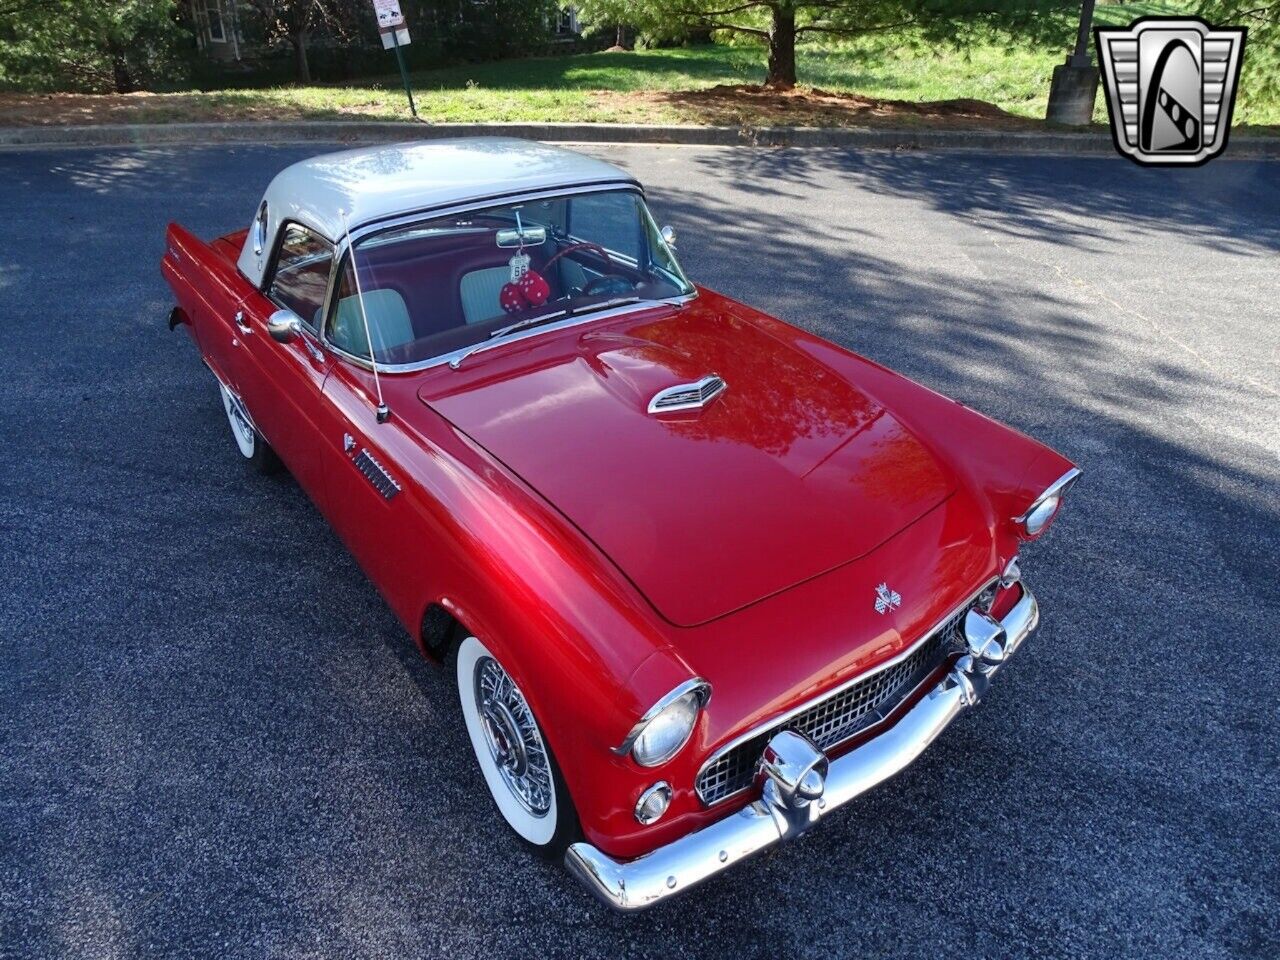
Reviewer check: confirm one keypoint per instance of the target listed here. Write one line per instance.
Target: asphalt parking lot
(216, 741)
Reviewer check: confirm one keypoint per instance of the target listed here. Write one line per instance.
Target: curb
(261, 132)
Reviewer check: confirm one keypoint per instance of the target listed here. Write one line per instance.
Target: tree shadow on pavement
(1230, 205)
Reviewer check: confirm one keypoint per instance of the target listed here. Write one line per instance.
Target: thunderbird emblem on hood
(887, 598)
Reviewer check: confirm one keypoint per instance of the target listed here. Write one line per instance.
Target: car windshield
(445, 284)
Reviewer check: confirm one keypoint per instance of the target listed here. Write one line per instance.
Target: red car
(702, 577)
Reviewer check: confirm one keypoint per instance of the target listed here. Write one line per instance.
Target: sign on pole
(395, 34)
(394, 38)
(389, 14)
(391, 24)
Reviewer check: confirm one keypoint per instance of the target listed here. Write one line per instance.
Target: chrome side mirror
(669, 236)
(284, 325)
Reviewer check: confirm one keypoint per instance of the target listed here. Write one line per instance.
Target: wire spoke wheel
(512, 737)
(515, 759)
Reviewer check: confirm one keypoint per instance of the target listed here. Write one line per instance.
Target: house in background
(566, 26)
(217, 28)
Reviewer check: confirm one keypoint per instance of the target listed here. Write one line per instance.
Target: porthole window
(260, 229)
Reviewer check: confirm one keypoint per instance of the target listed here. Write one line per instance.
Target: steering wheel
(595, 248)
(583, 245)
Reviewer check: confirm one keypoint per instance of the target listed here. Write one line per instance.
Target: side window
(382, 307)
(302, 273)
(609, 219)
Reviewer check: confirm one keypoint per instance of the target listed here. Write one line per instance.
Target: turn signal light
(653, 803)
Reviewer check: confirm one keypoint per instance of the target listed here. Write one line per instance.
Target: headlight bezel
(1044, 508)
(695, 690)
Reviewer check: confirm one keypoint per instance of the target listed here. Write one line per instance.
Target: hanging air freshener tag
(519, 266)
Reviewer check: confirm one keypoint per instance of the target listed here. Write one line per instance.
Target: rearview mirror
(526, 237)
(284, 325)
(669, 236)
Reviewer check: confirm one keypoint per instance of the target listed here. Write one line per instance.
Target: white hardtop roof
(376, 183)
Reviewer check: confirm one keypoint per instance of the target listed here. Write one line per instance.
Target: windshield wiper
(504, 331)
(535, 321)
(605, 305)
(526, 323)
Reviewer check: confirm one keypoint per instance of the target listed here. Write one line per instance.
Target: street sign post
(395, 34)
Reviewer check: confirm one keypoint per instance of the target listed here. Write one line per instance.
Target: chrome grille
(835, 718)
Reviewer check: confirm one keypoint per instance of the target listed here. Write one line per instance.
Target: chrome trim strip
(1059, 486)
(776, 817)
(812, 702)
(696, 683)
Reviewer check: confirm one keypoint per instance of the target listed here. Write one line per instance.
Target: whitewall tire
(242, 430)
(515, 759)
(248, 440)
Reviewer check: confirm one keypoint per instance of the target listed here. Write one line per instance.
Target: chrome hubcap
(512, 737)
(242, 422)
(504, 738)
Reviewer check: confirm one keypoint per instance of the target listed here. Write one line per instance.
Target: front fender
(575, 636)
(1003, 467)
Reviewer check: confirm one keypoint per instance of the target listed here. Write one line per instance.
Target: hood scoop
(687, 396)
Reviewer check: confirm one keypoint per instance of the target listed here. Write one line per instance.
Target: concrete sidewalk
(995, 141)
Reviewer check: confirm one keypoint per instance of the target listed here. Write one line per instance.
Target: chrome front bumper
(800, 787)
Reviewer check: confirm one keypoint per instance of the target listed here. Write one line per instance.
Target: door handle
(240, 322)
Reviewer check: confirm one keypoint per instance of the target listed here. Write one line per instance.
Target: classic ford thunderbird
(702, 577)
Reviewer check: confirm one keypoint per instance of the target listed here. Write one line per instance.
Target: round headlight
(664, 735)
(1041, 514)
(1045, 507)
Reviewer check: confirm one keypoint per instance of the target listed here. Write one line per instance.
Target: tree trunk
(782, 48)
(121, 77)
(299, 41)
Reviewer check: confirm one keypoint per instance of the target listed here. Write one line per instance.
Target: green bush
(104, 45)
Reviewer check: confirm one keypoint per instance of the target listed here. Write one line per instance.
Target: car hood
(790, 472)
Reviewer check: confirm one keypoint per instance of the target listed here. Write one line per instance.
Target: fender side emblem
(376, 474)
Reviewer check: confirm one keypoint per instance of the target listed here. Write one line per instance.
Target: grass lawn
(692, 85)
